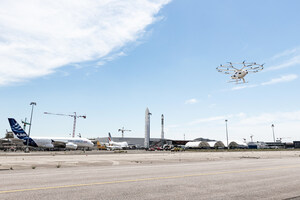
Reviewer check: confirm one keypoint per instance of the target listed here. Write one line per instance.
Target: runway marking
(150, 179)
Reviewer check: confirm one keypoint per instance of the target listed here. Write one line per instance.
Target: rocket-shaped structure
(147, 129)
(162, 128)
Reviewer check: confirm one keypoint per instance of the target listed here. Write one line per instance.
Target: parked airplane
(49, 142)
(111, 145)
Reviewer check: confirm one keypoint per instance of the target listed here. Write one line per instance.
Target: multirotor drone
(240, 70)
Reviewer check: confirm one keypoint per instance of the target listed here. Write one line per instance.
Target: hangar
(205, 145)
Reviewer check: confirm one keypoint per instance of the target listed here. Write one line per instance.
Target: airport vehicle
(168, 147)
(49, 142)
(150, 149)
(159, 148)
(101, 146)
(239, 70)
(111, 145)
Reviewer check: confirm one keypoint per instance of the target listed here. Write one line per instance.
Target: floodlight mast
(27, 142)
(227, 133)
(273, 132)
(75, 116)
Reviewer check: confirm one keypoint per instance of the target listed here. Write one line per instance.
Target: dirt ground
(36, 160)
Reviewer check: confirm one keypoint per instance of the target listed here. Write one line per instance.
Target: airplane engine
(50, 146)
(71, 145)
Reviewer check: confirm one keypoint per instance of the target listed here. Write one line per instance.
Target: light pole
(32, 105)
(226, 133)
(273, 132)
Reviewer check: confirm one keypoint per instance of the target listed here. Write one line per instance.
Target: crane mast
(75, 116)
(123, 130)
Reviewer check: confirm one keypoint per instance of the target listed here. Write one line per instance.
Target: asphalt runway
(248, 178)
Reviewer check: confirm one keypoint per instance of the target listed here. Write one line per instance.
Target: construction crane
(123, 130)
(25, 123)
(75, 116)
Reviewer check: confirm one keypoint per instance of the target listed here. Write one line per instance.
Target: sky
(110, 60)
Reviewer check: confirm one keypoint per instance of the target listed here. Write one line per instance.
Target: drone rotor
(240, 70)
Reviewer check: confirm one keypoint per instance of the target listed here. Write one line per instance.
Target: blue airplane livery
(49, 142)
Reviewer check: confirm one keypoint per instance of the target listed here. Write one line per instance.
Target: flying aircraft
(111, 145)
(239, 70)
(49, 142)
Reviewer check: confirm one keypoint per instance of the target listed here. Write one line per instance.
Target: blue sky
(110, 60)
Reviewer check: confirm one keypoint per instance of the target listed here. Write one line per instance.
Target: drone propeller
(233, 68)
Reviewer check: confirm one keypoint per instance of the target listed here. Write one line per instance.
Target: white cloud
(37, 37)
(209, 119)
(286, 78)
(286, 59)
(242, 125)
(286, 53)
(282, 79)
(191, 101)
(288, 63)
(243, 87)
(216, 118)
(212, 105)
(269, 118)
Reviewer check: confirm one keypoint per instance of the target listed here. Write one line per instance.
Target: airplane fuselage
(117, 145)
(48, 142)
(51, 142)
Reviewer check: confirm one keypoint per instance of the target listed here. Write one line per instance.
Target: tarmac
(150, 175)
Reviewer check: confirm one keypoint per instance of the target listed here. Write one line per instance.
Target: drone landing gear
(238, 81)
(235, 81)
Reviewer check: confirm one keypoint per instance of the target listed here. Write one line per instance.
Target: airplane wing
(59, 144)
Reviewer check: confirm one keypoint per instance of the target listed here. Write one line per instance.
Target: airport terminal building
(136, 142)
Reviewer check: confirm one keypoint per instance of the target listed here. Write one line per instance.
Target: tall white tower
(147, 129)
(162, 128)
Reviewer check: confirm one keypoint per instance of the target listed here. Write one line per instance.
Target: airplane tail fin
(17, 129)
(109, 137)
